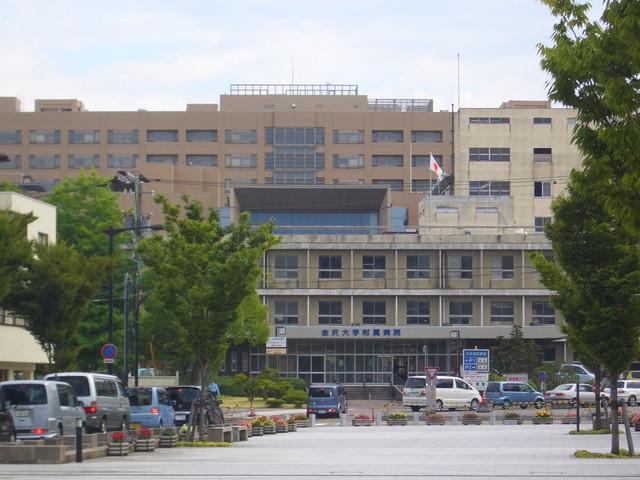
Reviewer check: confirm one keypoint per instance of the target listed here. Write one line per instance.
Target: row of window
(541, 188)
(507, 121)
(503, 154)
(272, 136)
(418, 312)
(374, 267)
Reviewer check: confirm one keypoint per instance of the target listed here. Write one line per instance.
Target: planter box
(269, 429)
(291, 427)
(542, 420)
(568, 420)
(637, 427)
(393, 421)
(168, 441)
(303, 423)
(360, 422)
(281, 429)
(145, 444)
(472, 421)
(512, 421)
(434, 421)
(257, 431)
(118, 449)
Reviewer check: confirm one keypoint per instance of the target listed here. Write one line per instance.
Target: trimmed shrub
(296, 397)
(274, 402)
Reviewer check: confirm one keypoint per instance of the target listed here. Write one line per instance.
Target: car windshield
(25, 394)
(566, 386)
(320, 392)
(140, 397)
(621, 385)
(80, 384)
(183, 396)
(415, 383)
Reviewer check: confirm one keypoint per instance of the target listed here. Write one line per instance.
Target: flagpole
(429, 197)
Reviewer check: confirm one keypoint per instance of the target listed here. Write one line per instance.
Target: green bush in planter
(297, 397)
(274, 402)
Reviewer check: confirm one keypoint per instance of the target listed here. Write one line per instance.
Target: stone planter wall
(542, 420)
(394, 421)
(269, 429)
(282, 429)
(434, 421)
(168, 441)
(568, 420)
(360, 423)
(118, 449)
(512, 421)
(257, 431)
(146, 444)
(472, 421)
(291, 427)
(303, 423)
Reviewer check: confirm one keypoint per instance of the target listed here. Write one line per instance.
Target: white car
(567, 393)
(628, 391)
(451, 392)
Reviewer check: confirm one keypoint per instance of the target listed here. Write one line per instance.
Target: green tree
(52, 294)
(595, 67)
(16, 249)
(202, 274)
(516, 354)
(7, 186)
(595, 276)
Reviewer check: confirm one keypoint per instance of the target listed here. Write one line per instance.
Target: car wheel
(474, 404)
(538, 404)
(415, 408)
(103, 425)
(439, 405)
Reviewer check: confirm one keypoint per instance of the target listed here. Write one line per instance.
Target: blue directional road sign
(475, 360)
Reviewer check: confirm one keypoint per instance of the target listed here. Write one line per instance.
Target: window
(330, 312)
(294, 178)
(572, 120)
(387, 160)
(14, 161)
(542, 154)
(348, 161)
(542, 313)
(542, 189)
(453, 210)
(162, 135)
(286, 266)
(245, 361)
(461, 267)
(122, 136)
(286, 312)
(44, 136)
(43, 238)
(231, 183)
(122, 161)
(542, 120)
(84, 136)
(387, 136)
(502, 312)
(348, 136)
(373, 266)
(201, 160)
(348, 181)
(488, 188)
(418, 312)
(491, 154)
(502, 267)
(330, 266)
(426, 136)
(234, 361)
(489, 120)
(482, 210)
(166, 159)
(374, 312)
(202, 135)
(425, 160)
(44, 161)
(421, 185)
(394, 185)
(460, 312)
(549, 354)
(240, 161)
(293, 136)
(417, 266)
(539, 223)
(240, 136)
(84, 161)
(10, 137)
(294, 158)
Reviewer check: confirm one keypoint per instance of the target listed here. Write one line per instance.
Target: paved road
(410, 452)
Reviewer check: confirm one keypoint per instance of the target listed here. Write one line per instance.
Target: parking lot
(414, 451)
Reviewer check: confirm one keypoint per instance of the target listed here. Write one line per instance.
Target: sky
(161, 55)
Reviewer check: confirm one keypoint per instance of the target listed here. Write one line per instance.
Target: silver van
(105, 400)
(42, 409)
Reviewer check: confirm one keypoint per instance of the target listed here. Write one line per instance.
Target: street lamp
(455, 336)
(111, 231)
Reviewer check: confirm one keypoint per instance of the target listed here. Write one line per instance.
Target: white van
(451, 392)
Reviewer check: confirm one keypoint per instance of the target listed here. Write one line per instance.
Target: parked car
(150, 407)
(567, 393)
(327, 399)
(451, 392)
(506, 394)
(577, 371)
(7, 428)
(42, 409)
(628, 391)
(105, 400)
(182, 398)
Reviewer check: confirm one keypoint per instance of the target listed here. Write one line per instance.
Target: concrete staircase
(373, 392)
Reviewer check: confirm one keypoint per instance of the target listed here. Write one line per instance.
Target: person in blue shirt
(213, 388)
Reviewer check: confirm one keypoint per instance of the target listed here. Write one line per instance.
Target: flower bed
(434, 419)
(301, 421)
(542, 417)
(361, 421)
(512, 418)
(569, 418)
(118, 445)
(397, 418)
(471, 418)
(281, 424)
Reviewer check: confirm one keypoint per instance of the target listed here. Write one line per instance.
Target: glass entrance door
(311, 368)
(384, 369)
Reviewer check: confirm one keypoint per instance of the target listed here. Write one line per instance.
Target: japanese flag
(434, 167)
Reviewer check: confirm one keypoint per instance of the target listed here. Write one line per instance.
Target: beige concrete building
(19, 351)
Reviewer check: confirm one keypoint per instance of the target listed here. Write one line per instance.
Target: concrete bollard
(492, 417)
(416, 417)
(312, 419)
(378, 419)
(454, 418)
(344, 419)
